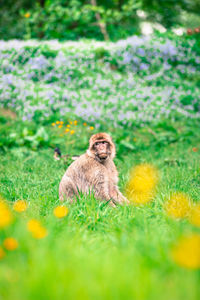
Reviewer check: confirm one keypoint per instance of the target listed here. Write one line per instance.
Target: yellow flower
(140, 189)
(61, 122)
(5, 214)
(68, 125)
(60, 126)
(75, 122)
(57, 122)
(10, 243)
(84, 124)
(91, 127)
(40, 233)
(194, 216)
(2, 253)
(27, 15)
(72, 132)
(67, 130)
(70, 122)
(53, 124)
(186, 253)
(37, 230)
(60, 211)
(20, 205)
(178, 206)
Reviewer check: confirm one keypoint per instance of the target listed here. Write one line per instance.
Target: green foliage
(75, 19)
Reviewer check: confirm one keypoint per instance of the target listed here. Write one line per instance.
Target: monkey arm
(121, 198)
(101, 188)
(116, 195)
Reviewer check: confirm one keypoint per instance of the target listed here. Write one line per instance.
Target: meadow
(145, 93)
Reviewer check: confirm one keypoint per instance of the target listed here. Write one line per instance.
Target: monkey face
(102, 150)
(101, 147)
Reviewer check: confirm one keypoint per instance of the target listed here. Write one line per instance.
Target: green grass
(98, 252)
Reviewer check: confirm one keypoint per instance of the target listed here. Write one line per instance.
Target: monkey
(94, 171)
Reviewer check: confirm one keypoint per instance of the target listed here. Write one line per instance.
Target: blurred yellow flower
(186, 253)
(20, 205)
(5, 214)
(60, 126)
(75, 122)
(61, 122)
(84, 124)
(37, 230)
(91, 128)
(60, 211)
(72, 131)
(32, 224)
(67, 130)
(2, 253)
(178, 206)
(53, 124)
(194, 215)
(140, 189)
(27, 15)
(10, 243)
(70, 122)
(57, 122)
(68, 125)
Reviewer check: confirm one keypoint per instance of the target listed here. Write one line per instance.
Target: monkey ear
(90, 153)
(112, 149)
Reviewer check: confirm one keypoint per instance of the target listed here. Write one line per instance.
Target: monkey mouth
(102, 157)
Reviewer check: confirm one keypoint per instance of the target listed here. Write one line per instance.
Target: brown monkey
(94, 171)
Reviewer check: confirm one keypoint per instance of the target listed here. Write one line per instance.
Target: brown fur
(87, 174)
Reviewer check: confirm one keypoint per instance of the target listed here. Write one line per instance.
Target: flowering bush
(133, 81)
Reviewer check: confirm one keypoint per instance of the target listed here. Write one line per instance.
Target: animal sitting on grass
(94, 171)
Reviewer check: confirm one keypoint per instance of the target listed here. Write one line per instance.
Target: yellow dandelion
(5, 214)
(186, 253)
(37, 230)
(67, 130)
(84, 124)
(10, 243)
(178, 206)
(60, 211)
(27, 15)
(194, 215)
(72, 131)
(20, 205)
(61, 122)
(140, 189)
(60, 126)
(32, 224)
(91, 128)
(75, 122)
(40, 233)
(2, 253)
(53, 124)
(57, 122)
(68, 126)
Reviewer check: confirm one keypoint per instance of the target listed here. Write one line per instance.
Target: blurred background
(99, 19)
(69, 69)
